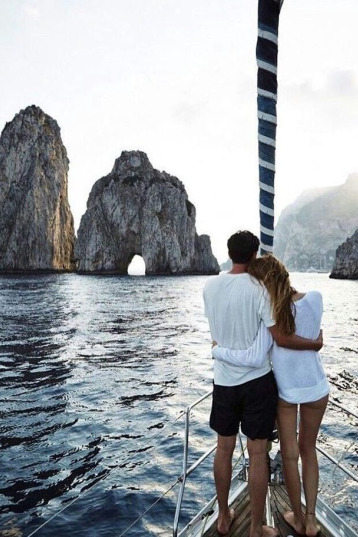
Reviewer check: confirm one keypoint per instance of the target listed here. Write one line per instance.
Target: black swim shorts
(252, 404)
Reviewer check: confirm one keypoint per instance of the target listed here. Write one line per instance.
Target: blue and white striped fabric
(266, 56)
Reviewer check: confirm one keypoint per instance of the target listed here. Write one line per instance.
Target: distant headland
(346, 262)
(310, 231)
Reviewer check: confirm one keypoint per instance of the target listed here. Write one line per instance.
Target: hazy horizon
(178, 81)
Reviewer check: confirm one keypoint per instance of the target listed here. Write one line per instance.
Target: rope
(150, 507)
(105, 474)
(66, 506)
(266, 57)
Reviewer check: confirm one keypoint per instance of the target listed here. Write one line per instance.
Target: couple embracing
(266, 338)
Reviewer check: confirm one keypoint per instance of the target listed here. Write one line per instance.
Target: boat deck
(204, 523)
(279, 505)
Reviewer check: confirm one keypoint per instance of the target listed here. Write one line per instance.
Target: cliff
(35, 219)
(310, 230)
(346, 262)
(137, 210)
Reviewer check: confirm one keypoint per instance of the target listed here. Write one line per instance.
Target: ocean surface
(95, 373)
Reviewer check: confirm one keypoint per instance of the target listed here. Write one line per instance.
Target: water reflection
(35, 369)
(95, 371)
(66, 344)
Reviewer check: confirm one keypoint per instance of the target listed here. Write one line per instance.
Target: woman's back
(299, 374)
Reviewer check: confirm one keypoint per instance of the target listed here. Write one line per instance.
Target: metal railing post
(184, 474)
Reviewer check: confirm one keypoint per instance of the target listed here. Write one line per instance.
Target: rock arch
(137, 210)
(136, 265)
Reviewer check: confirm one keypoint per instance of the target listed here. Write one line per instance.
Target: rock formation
(310, 230)
(346, 263)
(137, 210)
(35, 219)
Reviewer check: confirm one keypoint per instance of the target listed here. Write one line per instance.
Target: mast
(266, 57)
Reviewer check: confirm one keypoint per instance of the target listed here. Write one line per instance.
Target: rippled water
(95, 373)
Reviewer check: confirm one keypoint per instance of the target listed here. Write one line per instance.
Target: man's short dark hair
(242, 245)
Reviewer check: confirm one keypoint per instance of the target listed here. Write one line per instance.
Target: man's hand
(214, 343)
(320, 340)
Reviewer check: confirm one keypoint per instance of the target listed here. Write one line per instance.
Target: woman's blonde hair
(274, 276)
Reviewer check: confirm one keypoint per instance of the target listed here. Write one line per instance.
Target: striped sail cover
(266, 56)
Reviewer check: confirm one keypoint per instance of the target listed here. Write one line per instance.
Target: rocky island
(137, 210)
(36, 223)
(346, 263)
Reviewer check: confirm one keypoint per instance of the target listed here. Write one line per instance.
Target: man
(235, 306)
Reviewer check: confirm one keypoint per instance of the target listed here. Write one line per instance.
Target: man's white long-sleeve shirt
(235, 304)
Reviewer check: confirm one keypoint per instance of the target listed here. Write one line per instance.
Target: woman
(300, 380)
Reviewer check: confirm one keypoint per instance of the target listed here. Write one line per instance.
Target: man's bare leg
(222, 474)
(258, 483)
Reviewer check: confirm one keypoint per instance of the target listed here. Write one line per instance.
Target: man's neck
(238, 268)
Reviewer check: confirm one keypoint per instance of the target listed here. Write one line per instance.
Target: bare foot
(297, 525)
(266, 531)
(225, 521)
(312, 528)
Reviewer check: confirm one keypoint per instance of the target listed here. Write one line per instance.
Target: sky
(177, 80)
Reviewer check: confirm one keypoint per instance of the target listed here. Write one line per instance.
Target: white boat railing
(338, 464)
(335, 461)
(348, 411)
(187, 471)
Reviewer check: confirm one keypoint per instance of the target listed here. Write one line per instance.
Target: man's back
(235, 304)
(242, 397)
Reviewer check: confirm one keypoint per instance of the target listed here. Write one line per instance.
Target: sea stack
(37, 232)
(346, 263)
(137, 210)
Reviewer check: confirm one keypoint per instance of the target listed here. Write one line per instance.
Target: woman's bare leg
(287, 426)
(311, 415)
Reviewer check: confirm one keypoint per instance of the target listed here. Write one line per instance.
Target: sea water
(95, 374)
